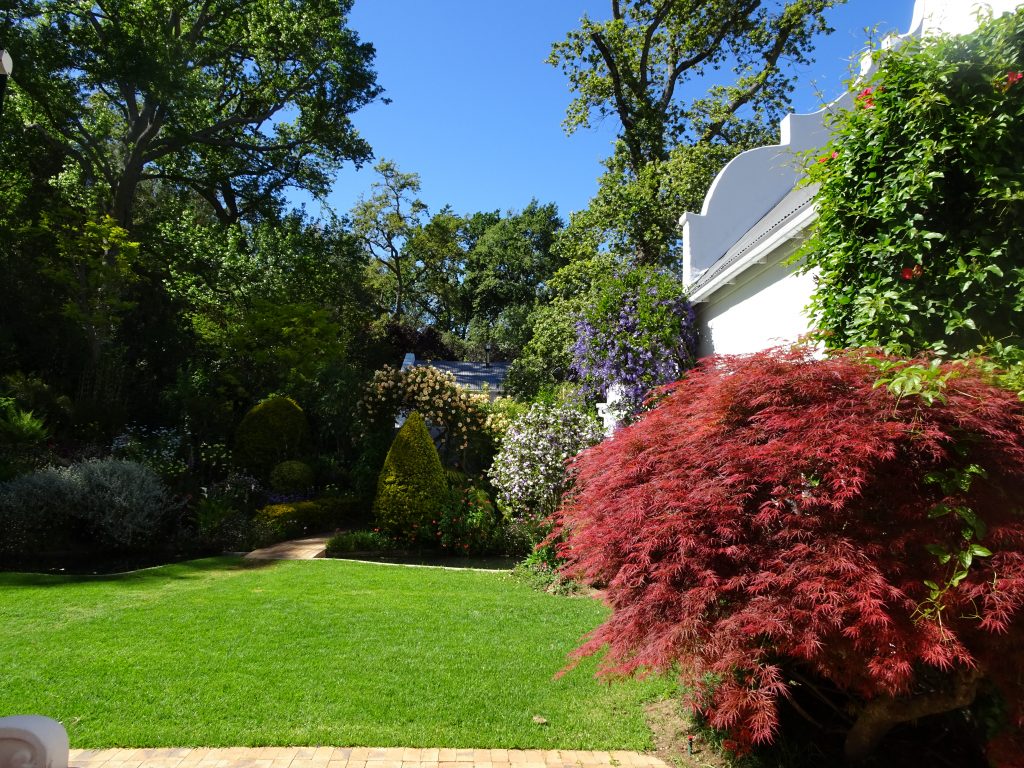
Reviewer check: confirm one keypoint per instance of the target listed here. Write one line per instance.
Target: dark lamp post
(487, 356)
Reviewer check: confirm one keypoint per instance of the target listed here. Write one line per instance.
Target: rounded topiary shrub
(272, 431)
(291, 476)
(412, 488)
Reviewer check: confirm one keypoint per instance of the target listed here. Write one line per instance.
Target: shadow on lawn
(189, 569)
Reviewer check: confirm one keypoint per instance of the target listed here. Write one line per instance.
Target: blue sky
(477, 113)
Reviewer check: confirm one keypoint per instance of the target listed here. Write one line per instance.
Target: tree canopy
(234, 100)
(643, 66)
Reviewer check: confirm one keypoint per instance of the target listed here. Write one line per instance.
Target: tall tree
(233, 99)
(507, 272)
(384, 222)
(635, 67)
(441, 247)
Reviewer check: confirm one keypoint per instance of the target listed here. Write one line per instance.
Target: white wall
(764, 309)
(954, 17)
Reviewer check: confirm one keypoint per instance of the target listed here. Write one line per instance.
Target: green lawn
(220, 652)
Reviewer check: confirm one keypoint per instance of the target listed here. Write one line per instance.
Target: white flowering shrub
(453, 414)
(161, 449)
(529, 471)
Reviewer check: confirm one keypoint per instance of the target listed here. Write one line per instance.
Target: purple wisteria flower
(640, 333)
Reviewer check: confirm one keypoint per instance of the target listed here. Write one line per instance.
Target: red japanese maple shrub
(779, 512)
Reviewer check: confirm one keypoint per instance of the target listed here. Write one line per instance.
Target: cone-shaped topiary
(412, 486)
(272, 431)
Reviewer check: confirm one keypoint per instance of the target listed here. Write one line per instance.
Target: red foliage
(773, 510)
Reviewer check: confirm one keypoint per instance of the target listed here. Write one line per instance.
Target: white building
(755, 216)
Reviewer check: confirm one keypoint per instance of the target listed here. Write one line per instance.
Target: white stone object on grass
(32, 741)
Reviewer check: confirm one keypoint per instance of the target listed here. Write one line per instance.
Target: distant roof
(468, 375)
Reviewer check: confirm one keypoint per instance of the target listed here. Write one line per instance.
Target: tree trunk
(124, 193)
(880, 715)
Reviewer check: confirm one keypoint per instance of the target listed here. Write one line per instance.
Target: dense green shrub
(358, 541)
(412, 488)
(920, 206)
(371, 451)
(292, 519)
(469, 523)
(272, 431)
(291, 476)
(108, 504)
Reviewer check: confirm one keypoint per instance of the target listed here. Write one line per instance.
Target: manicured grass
(221, 652)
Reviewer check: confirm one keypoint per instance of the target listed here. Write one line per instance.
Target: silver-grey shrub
(126, 503)
(112, 503)
(34, 509)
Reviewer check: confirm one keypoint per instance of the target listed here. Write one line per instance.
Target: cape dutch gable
(756, 215)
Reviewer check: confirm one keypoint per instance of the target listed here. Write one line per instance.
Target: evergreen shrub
(469, 523)
(291, 476)
(293, 519)
(272, 431)
(347, 542)
(412, 487)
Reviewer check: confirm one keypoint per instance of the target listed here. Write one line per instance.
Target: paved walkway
(355, 757)
(299, 549)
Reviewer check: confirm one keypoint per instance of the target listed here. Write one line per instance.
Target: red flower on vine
(911, 273)
(826, 158)
(866, 98)
(1013, 78)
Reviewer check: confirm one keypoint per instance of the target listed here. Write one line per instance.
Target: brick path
(355, 757)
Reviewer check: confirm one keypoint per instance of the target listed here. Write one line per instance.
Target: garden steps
(356, 757)
(297, 549)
